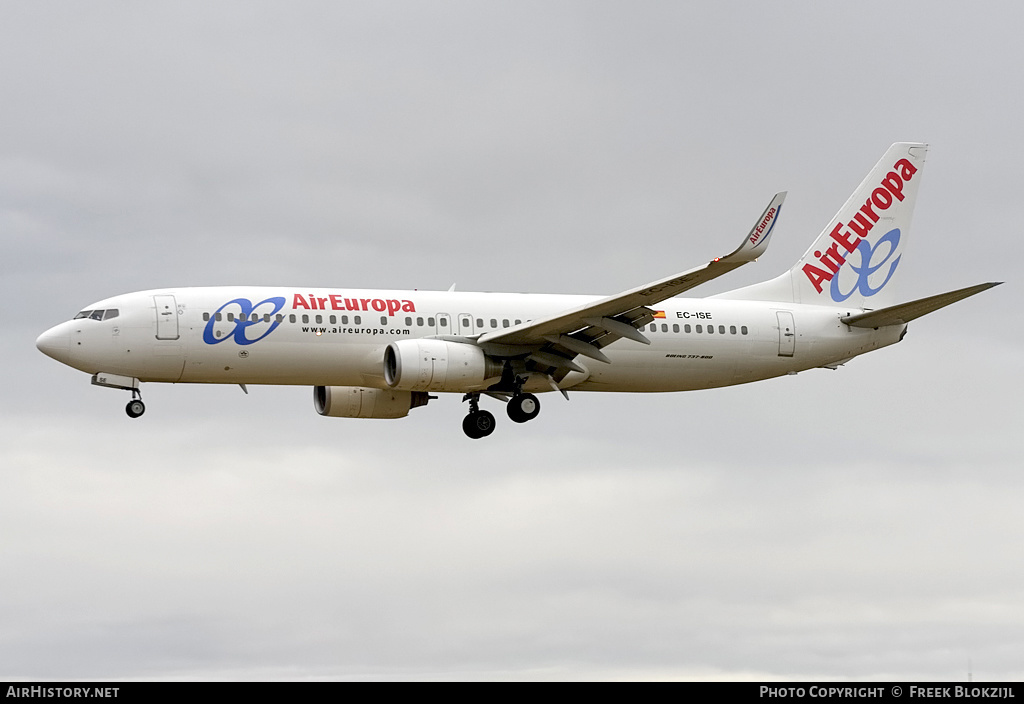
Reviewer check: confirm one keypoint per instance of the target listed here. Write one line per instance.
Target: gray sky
(857, 524)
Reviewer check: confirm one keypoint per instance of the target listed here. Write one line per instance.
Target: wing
(551, 343)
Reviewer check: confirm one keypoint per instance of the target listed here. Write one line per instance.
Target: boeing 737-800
(379, 354)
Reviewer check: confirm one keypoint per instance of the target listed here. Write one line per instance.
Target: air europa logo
(851, 236)
(764, 226)
(248, 315)
(391, 305)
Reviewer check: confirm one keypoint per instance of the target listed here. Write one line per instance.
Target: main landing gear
(523, 407)
(478, 424)
(520, 408)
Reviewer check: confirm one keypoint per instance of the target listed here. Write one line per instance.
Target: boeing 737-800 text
(379, 354)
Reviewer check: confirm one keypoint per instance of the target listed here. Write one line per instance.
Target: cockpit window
(98, 314)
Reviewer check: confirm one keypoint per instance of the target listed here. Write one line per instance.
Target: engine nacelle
(360, 402)
(438, 365)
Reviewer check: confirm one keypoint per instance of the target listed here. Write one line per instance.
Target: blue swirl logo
(869, 266)
(247, 317)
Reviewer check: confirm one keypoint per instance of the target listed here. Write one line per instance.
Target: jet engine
(360, 402)
(438, 365)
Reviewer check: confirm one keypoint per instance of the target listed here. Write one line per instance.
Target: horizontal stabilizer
(905, 312)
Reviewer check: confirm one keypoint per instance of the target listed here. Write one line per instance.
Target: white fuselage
(337, 337)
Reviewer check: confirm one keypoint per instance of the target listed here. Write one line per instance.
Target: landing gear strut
(135, 407)
(478, 424)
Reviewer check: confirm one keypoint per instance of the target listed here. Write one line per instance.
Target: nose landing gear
(135, 407)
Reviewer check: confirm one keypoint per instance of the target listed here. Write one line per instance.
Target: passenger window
(518, 321)
(675, 327)
(419, 321)
(654, 327)
(219, 317)
(430, 321)
(291, 317)
(479, 322)
(383, 320)
(443, 322)
(319, 319)
(465, 323)
(255, 317)
(686, 328)
(408, 321)
(344, 320)
(664, 327)
(711, 329)
(357, 319)
(732, 329)
(279, 318)
(231, 317)
(333, 319)
(743, 329)
(721, 329)
(700, 328)
(504, 323)
(305, 318)
(206, 316)
(494, 323)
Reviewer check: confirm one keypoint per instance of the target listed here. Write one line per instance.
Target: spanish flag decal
(659, 314)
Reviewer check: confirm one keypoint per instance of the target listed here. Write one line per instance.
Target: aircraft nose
(55, 343)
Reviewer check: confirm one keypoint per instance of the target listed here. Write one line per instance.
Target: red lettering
(844, 239)
(323, 303)
(907, 170)
(408, 306)
(378, 305)
(393, 306)
(336, 302)
(817, 276)
(299, 302)
(860, 225)
(893, 184)
(881, 198)
(866, 209)
(364, 301)
(831, 258)
(351, 304)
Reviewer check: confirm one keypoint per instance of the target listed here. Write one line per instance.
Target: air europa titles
(850, 235)
(763, 226)
(335, 302)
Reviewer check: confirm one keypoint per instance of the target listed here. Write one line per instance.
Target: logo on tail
(851, 237)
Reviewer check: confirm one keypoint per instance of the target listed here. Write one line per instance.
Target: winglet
(757, 239)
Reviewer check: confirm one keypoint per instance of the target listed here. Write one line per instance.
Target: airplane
(382, 353)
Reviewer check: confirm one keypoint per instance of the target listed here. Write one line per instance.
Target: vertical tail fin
(855, 258)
